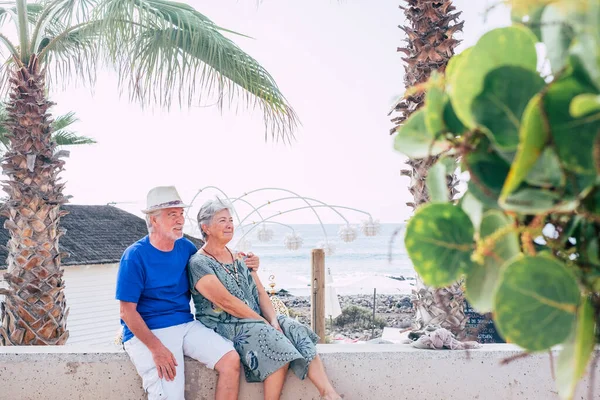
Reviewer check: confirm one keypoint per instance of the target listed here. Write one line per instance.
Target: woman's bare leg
(228, 380)
(274, 383)
(317, 375)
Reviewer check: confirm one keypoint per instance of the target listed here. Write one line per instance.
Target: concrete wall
(359, 372)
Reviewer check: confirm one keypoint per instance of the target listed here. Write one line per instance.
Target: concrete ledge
(359, 371)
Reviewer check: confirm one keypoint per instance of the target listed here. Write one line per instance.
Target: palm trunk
(431, 25)
(34, 310)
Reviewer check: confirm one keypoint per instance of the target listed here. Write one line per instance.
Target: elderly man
(154, 295)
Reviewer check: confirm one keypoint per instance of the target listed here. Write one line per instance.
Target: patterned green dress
(262, 349)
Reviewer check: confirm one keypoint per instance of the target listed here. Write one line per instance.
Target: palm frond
(64, 121)
(61, 135)
(68, 138)
(5, 72)
(71, 54)
(74, 12)
(7, 11)
(4, 132)
(165, 51)
(33, 11)
(64, 137)
(57, 14)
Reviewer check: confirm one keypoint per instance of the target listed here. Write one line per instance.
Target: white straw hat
(163, 197)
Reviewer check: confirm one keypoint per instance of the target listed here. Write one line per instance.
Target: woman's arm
(211, 287)
(265, 302)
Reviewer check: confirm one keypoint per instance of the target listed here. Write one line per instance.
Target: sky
(336, 63)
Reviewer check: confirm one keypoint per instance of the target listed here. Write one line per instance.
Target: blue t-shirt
(157, 281)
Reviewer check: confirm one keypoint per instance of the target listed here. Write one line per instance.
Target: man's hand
(252, 261)
(165, 362)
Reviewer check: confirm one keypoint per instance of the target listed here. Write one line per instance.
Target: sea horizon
(357, 267)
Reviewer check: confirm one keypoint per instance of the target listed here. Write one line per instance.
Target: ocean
(357, 267)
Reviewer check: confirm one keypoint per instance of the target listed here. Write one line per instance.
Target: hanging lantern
(370, 227)
(328, 248)
(347, 233)
(293, 241)
(244, 246)
(264, 234)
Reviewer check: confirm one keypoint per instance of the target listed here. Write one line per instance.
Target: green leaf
(436, 183)
(534, 135)
(482, 281)
(593, 251)
(575, 155)
(415, 141)
(64, 121)
(557, 35)
(506, 92)
(439, 241)
(584, 104)
(546, 172)
(472, 207)
(536, 302)
(452, 122)
(454, 64)
(487, 173)
(591, 201)
(435, 100)
(68, 138)
(167, 52)
(576, 352)
(586, 50)
(536, 201)
(514, 45)
(534, 16)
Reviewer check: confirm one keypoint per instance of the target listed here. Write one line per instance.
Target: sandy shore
(391, 310)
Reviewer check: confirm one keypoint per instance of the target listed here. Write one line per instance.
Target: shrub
(358, 317)
(525, 234)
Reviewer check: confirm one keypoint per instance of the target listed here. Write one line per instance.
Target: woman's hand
(252, 261)
(275, 324)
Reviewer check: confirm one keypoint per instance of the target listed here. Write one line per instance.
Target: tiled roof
(95, 234)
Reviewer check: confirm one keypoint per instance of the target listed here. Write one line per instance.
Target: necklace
(235, 277)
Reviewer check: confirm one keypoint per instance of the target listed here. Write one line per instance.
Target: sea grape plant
(520, 110)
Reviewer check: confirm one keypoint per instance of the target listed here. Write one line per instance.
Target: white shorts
(192, 339)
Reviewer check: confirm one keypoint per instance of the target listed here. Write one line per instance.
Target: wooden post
(317, 301)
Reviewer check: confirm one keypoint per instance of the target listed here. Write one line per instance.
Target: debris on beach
(395, 311)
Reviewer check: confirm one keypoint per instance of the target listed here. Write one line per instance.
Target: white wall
(361, 372)
(94, 312)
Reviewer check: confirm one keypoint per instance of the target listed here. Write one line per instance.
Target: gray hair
(148, 222)
(209, 209)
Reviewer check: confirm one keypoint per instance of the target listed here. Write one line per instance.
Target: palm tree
(162, 51)
(430, 43)
(60, 134)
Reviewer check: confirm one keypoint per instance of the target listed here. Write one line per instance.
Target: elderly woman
(230, 299)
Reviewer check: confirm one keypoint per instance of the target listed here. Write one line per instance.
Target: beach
(354, 271)
(356, 267)
(391, 310)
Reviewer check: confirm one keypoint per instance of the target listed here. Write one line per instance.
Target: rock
(405, 302)
(407, 323)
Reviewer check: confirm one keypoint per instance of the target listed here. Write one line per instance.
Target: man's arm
(163, 358)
